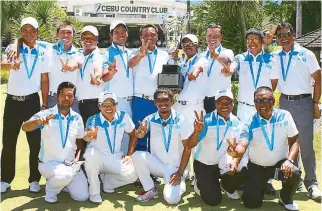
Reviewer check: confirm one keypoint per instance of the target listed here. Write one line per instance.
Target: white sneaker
(292, 207)
(108, 190)
(51, 199)
(4, 187)
(314, 193)
(235, 195)
(34, 187)
(196, 189)
(96, 198)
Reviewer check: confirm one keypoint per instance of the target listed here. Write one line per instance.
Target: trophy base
(171, 81)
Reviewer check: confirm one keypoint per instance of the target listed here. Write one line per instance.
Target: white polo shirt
(180, 130)
(283, 126)
(194, 90)
(122, 83)
(20, 82)
(85, 90)
(115, 130)
(146, 82)
(217, 80)
(303, 63)
(53, 139)
(56, 76)
(246, 87)
(208, 151)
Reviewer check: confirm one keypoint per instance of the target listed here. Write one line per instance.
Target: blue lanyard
(82, 69)
(255, 83)
(270, 144)
(219, 143)
(126, 67)
(24, 52)
(288, 64)
(112, 148)
(213, 60)
(63, 140)
(167, 142)
(155, 59)
(191, 63)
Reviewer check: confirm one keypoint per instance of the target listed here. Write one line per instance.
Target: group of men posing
(135, 130)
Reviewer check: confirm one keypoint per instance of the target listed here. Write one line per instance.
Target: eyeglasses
(255, 40)
(162, 100)
(283, 35)
(188, 44)
(108, 104)
(264, 100)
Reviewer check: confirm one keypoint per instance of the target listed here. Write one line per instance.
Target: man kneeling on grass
(62, 132)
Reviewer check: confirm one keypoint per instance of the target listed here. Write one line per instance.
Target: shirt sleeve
(47, 61)
(235, 65)
(228, 53)
(129, 125)
(98, 63)
(312, 62)
(147, 119)
(246, 134)
(275, 72)
(133, 53)
(291, 129)
(185, 129)
(40, 114)
(80, 132)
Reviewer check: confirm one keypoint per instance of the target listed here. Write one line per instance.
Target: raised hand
(142, 130)
(95, 80)
(270, 34)
(16, 64)
(213, 54)
(226, 70)
(232, 149)
(91, 134)
(65, 66)
(191, 76)
(144, 48)
(112, 67)
(198, 124)
(45, 120)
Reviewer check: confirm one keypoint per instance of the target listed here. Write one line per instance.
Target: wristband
(180, 172)
(292, 161)
(314, 102)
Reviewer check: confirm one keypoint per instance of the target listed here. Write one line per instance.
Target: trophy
(172, 27)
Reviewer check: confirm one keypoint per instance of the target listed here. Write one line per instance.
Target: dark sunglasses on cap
(188, 44)
(283, 35)
(265, 100)
(162, 100)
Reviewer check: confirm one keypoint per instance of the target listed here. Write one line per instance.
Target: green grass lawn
(124, 198)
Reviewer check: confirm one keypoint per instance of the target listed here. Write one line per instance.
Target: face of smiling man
(264, 103)
(108, 108)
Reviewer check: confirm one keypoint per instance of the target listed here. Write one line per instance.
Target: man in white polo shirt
(169, 150)
(273, 143)
(65, 62)
(254, 70)
(119, 79)
(211, 158)
(103, 154)
(28, 75)
(88, 76)
(147, 63)
(62, 130)
(193, 69)
(217, 79)
(294, 67)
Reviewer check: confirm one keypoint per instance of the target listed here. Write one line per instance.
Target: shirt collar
(296, 49)
(255, 57)
(191, 59)
(122, 48)
(271, 119)
(54, 110)
(116, 117)
(173, 114)
(216, 49)
(156, 48)
(222, 118)
(27, 47)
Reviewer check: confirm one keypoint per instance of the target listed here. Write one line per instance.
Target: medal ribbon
(270, 144)
(126, 67)
(288, 64)
(167, 142)
(155, 52)
(213, 60)
(63, 140)
(219, 143)
(82, 69)
(255, 83)
(24, 57)
(191, 63)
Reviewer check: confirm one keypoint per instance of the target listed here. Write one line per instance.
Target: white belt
(195, 102)
(147, 97)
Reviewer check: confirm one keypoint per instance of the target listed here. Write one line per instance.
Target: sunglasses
(255, 40)
(107, 104)
(188, 44)
(283, 35)
(265, 100)
(162, 100)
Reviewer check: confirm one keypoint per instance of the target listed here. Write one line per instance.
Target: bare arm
(274, 84)
(80, 148)
(44, 88)
(294, 146)
(132, 143)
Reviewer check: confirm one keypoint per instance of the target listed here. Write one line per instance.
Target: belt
(182, 102)
(129, 98)
(147, 97)
(89, 100)
(22, 98)
(213, 97)
(245, 103)
(295, 97)
(53, 94)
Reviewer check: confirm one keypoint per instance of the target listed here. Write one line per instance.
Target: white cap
(91, 29)
(224, 93)
(105, 95)
(114, 24)
(29, 20)
(191, 37)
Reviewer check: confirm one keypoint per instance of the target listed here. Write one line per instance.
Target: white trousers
(59, 176)
(117, 173)
(245, 112)
(146, 164)
(125, 105)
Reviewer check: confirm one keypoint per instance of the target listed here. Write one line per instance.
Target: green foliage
(235, 17)
(4, 76)
(279, 13)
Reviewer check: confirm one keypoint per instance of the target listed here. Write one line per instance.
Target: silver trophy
(173, 26)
